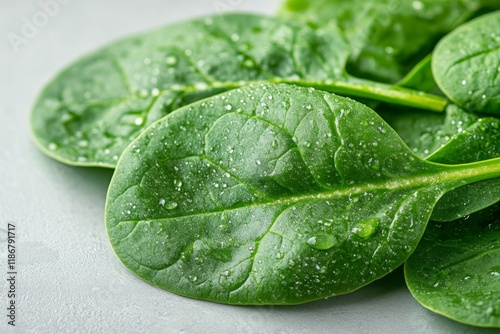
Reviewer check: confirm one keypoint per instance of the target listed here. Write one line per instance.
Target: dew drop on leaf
(366, 228)
(322, 241)
(171, 60)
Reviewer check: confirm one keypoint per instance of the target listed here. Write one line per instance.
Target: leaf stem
(479, 171)
(381, 92)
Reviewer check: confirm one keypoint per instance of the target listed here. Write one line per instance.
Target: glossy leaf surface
(454, 138)
(466, 65)
(455, 270)
(272, 195)
(387, 37)
(97, 106)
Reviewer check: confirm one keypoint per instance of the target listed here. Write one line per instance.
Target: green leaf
(421, 77)
(429, 133)
(455, 271)
(466, 65)
(475, 141)
(273, 195)
(455, 138)
(388, 37)
(93, 109)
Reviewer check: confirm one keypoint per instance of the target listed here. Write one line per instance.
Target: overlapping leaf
(466, 65)
(455, 270)
(388, 37)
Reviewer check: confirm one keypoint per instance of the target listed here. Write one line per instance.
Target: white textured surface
(69, 279)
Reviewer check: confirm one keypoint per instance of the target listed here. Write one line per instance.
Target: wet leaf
(455, 271)
(466, 65)
(273, 195)
(94, 108)
(388, 37)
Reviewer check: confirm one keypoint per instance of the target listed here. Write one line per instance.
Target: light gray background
(69, 279)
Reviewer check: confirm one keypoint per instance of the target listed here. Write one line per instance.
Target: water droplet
(322, 241)
(139, 121)
(417, 5)
(258, 162)
(52, 146)
(229, 107)
(248, 63)
(279, 255)
(170, 205)
(162, 202)
(171, 60)
(235, 37)
(366, 228)
(464, 82)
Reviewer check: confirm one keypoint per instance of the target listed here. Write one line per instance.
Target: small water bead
(171, 60)
(53, 146)
(228, 107)
(139, 121)
(464, 82)
(322, 241)
(248, 63)
(417, 5)
(366, 228)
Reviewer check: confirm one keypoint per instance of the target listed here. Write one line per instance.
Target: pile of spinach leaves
(246, 174)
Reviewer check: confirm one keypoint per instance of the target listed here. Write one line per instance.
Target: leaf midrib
(463, 174)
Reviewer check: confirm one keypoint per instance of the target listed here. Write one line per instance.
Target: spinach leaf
(92, 110)
(478, 141)
(273, 195)
(466, 65)
(455, 138)
(388, 37)
(421, 77)
(428, 133)
(455, 270)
